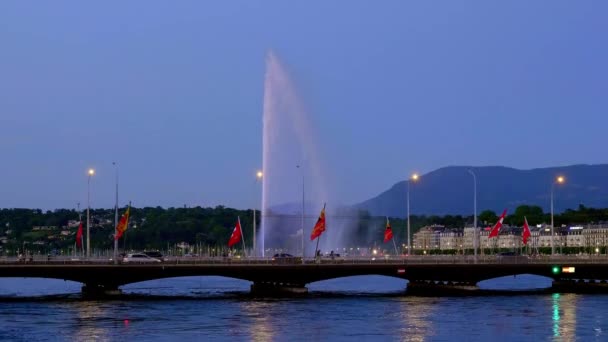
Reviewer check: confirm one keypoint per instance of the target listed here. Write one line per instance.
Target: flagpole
(319, 237)
(116, 216)
(395, 245)
(79, 223)
(317, 248)
(388, 225)
(242, 235)
(302, 218)
(124, 233)
(521, 250)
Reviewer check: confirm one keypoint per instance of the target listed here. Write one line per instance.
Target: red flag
(237, 233)
(388, 232)
(319, 226)
(525, 235)
(79, 236)
(498, 224)
(123, 224)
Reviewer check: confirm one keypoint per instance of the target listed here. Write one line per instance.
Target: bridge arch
(521, 281)
(36, 287)
(188, 285)
(370, 283)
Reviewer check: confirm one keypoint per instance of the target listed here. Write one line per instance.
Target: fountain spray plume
(292, 165)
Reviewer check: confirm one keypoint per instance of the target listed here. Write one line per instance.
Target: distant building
(451, 239)
(596, 236)
(73, 223)
(468, 237)
(44, 228)
(427, 238)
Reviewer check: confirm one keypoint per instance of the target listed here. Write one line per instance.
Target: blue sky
(172, 91)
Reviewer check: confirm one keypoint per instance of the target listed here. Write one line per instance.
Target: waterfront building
(427, 238)
(451, 239)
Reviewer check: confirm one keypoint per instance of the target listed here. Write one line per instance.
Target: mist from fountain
(293, 165)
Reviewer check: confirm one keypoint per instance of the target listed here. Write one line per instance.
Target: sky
(173, 93)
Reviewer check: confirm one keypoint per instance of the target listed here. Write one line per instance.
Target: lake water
(356, 308)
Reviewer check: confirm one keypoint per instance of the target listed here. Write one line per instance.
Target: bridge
(426, 274)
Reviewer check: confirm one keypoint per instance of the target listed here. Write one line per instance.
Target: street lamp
(414, 178)
(302, 216)
(258, 177)
(558, 180)
(91, 173)
(475, 240)
(116, 216)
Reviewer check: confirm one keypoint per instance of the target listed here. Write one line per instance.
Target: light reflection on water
(564, 315)
(358, 308)
(556, 314)
(416, 315)
(87, 318)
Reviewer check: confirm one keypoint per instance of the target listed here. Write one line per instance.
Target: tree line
(157, 227)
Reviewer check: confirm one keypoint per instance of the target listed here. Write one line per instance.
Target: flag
(388, 232)
(496, 228)
(525, 235)
(319, 226)
(237, 234)
(123, 224)
(79, 236)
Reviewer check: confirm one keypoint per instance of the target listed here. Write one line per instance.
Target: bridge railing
(402, 260)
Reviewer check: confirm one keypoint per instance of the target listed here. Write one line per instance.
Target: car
(137, 258)
(285, 258)
(511, 257)
(282, 255)
(156, 255)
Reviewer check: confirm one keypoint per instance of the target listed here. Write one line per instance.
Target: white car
(139, 258)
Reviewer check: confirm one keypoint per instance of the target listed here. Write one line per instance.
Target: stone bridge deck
(422, 272)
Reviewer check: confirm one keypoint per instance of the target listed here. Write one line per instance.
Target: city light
(568, 269)
(91, 172)
(555, 269)
(259, 175)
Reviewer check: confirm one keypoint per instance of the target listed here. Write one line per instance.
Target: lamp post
(302, 216)
(558, 180)
(91, 173)
(414, 178)
(475, 239)
(258, 177)
(116, 216)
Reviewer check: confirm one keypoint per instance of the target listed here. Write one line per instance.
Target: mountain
(449, 190)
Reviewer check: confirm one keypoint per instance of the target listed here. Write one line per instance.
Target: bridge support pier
(100, 290)
(580, 286)
(278, 289)
(438, 288)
